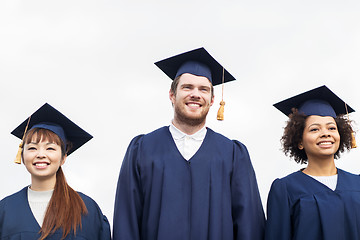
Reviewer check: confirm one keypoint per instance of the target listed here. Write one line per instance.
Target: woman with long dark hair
(320, 201)
(49, 208)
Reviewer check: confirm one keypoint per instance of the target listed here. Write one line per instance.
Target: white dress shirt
(187, 145)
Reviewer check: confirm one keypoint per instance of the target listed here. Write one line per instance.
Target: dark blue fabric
(162, 196)
(300, 207)
(49, 115)
(317, 107)
(18, 223)
(195, 68)
(198, 62)
(322, 102)
(55, 128)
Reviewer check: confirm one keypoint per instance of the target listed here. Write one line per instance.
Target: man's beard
(188, 120)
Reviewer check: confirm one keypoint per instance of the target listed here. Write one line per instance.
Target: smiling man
(185, 181)
(191, 99)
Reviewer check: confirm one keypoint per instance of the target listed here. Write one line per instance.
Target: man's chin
(193, 120)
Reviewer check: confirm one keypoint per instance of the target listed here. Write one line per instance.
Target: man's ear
(172, 96)
(212, 100)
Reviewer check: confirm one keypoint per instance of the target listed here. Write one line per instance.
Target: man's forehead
(188, 78)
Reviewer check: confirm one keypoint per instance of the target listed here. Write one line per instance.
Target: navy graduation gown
(18, 223)
(213, 196)
(300, 207)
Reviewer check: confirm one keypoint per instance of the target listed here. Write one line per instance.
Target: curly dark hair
(293, 133)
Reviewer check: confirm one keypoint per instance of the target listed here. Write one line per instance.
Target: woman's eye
(50, 148)
(313, 130)
(31, 148)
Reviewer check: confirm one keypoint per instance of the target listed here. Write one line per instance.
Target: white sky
(93, 61)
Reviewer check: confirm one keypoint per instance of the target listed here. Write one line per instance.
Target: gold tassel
(353, 140)
(18, 155)
(220, 114)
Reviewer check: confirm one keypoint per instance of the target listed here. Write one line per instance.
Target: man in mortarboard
(185, 181)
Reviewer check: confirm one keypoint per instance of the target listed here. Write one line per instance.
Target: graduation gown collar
(27, 210)
(173, 144)
(341, 181)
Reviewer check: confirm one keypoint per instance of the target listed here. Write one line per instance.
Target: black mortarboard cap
(319, 101)
(198, 62)
(49, 118)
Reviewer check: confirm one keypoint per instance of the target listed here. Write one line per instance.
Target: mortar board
(197, 62)
(320, 101)
(47, 117)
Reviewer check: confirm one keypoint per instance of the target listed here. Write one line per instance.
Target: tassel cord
(18, 155)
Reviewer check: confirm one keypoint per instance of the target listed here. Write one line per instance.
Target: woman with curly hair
(319, 201)
(49, 208)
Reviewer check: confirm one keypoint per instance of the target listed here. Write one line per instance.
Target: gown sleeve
(105, 232)
(128, 198)
(95, 224)
(278, 224)
(1, 219)
(247, 210)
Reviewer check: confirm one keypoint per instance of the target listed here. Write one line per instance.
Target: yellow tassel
(18, 155)
(220, 114)
(353, 140)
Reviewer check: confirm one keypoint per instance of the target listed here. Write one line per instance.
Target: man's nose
(195, 93)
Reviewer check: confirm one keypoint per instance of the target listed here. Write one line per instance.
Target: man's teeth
(193, 104)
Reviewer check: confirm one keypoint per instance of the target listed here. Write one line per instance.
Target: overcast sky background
(93, 61)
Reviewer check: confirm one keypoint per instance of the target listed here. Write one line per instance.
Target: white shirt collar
(177, 134)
